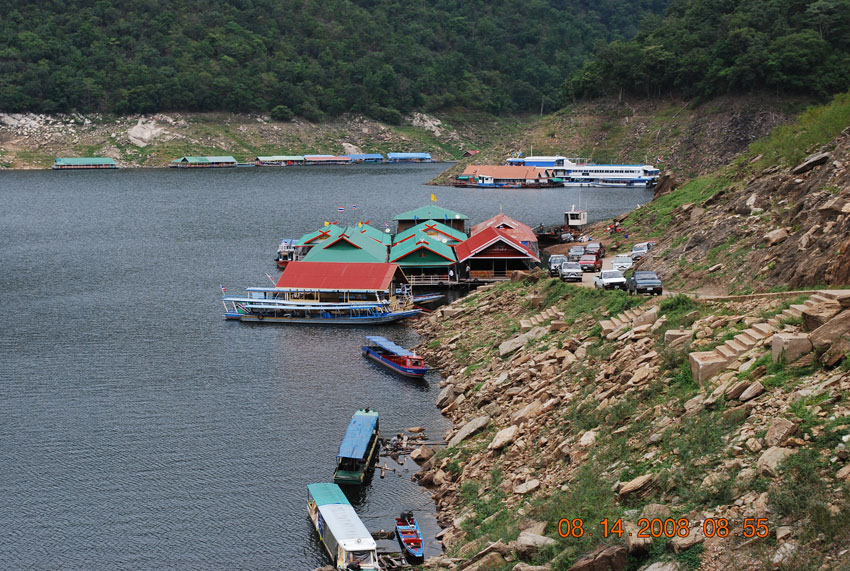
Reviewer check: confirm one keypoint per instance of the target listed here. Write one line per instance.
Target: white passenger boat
(344, 536)
(579, 172)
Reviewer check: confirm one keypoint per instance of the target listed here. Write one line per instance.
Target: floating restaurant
(69, 163)
(522, 233)
(326, 160)
(367, 158)
(492, 254)
(409, 158)
(279, 161)
(510, 176)
(450, 218)
(204, 162)
(350, 244)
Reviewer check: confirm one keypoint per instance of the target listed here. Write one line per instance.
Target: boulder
(503, 438)
(818, 314)
(811, 162)
(493, 560)
(679, 544)
(528, 412)
(829, 332)
(785, 553)
(779, 431)
(604, 557)
(636, 545)
(672, 335)
(587, 439)
(512, 344)
(470, 428)
(646, 318)
(791, 346)
(775, 237)
(836, 353)
(637, 487)
(752, 392)
(527, 487)
(528, 544)
(737, 389)
(422, 454)
(706, 364)
(768, 462)
(446, 396)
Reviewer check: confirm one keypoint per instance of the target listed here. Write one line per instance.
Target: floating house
(342, 533)
(68, 163)
(491, 255)
(450, 218)
(425, 259)
(351, 245)
(433, 229)
(312, 239)
(510, 176)
(520, 232)
(279, 161)
(367, 158)
(326, 160)
(409, 158)
(204, 162)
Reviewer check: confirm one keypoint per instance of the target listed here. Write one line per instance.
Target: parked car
(639, 251)
(555, 262)
(570, 272)
(575, 254)
(644, 282)
(595, 248)
(590, 263)
(622, 262)
(610, 279)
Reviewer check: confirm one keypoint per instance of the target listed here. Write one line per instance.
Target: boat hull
(318, 320)
(413, 372)
(410, 539)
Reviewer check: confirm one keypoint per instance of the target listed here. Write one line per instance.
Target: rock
(737, 389)
(646, 318)
(635, 545)
(603, 558)
(810, 163)
(470, 428)
(817, 315)
(416, 429)
(446, 397)
(642, 374)
(752, 392)
(526, 567)
(679, 544)
(653, 511)
(783, 532)
(664, 566)
(837, 352)
(792, 347)
(528, 412)
(587, 439)
(753, 445)
(768, 462)
(492, 560)
(779, 431)
(143, 134)
(672, 335)
(503, 438)
(844, 473)
(785, 553)
(826, 334)
(775, 236)
(527, 487)
(706, 364)
(528, 544)
(512, 345)
(637, 487)
(422, 454)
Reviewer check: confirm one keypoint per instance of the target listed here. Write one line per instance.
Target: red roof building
(492, 254)
(517, 230)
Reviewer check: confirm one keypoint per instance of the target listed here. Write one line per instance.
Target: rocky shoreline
(572, 404)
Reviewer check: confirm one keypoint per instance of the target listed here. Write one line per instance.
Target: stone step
(818, 298)
(525, 325)
(535, 320)
(736, 346)
(745, 340)
(765, 328)
(606, 325)
(773, 322)
(706, 364)
(840, 295)
(797, 310)
(617, 322)
(629, 314)
(755, 333)
(726, 351)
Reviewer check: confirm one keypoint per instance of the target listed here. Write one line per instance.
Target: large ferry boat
(579, 172)
(344, 536)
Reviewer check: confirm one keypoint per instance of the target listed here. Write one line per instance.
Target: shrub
(282, 113)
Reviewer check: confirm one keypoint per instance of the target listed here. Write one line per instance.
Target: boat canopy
(357, 436)
(326, 493)
(385, 343)
(347, 528)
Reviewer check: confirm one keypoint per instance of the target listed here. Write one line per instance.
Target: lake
(138, 429)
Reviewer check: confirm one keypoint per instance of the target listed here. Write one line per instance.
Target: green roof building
(69, 163)
(433, 229)
(350, 245)
(422, 251)
(204, 162)
(431, 212)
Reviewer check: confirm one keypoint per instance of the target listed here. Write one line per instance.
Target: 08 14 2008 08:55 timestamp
(650, 528)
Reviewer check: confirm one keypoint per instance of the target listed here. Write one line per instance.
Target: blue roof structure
(388, 345)
(423, 156)
(367, 157)
(357, 436)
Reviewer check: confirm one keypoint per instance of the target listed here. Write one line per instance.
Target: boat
(359, 448)
(344, 536)
(580, 172)
(410, 537)
(394, 357)
(326, 293)
(285, 252)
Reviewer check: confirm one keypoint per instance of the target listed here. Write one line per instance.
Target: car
(595, 248)
(610, 279)
(570, 272)
(590, 263)
(644, 282)
(622, 262)
(575, 254)
(639, 251)
(555, 262)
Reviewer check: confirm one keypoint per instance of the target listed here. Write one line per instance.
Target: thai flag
(341, 209)
(354, 207)
(223, 289)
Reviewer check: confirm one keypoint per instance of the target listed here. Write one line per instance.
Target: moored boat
(285, 252)
(344, 536)
(394, 357)
(410, 537)
(359, 448)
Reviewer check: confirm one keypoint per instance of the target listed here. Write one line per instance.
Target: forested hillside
(705, 48)
(311, 58)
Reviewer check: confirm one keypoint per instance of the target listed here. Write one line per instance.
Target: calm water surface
(138, 429)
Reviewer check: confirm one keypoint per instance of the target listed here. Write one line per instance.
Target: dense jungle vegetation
(311, 58)
(705, 48)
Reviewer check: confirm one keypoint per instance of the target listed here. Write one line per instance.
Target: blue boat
(394, 357)
(359, 448)
(410, 537)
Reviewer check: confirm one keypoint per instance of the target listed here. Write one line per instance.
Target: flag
(658, 160)
(341, 209)
(223, 289)
(354, 207)
(433, 197)
(327, 223)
